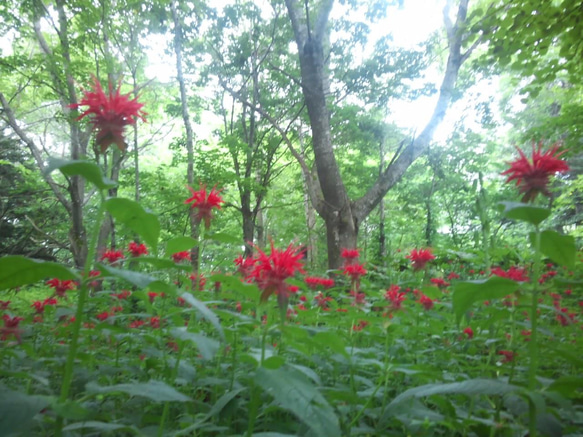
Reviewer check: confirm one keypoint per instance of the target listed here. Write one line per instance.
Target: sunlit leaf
(524, 212)
(560, 248)
(136, 218)
(16, 271)
(90, 171)
(180, 244)
(466, 293)
(101, 427)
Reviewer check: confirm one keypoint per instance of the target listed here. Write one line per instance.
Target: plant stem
(533, 346)
(82, 297)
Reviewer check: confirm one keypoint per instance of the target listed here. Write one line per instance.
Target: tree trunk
(340, 215)
(194, 233)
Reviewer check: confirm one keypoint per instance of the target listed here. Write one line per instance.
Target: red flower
(533, 177)
(152, 295)
(453, 275)
(303, 298)
(239, 307)
(137, 249)
(508, 356)
(4, 304)
(271, 271)
(314, 282)
(359, 298)
(155, 322)
(38, 306)
(181, 256)
(469, 332)
(110, 114)
(10, 327)
(61, 286)
(198, 281)
(121, 296)
(322, 301)
(420, 257)
(349, 255)
(136, 323)
(204, 202)
(395, 297)
(102, 316)
(354, 271)
(245, 264)
(439, 282)
(514, 273)
(427, 302)
(112, 256)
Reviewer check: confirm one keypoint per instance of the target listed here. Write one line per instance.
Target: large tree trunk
(341, 216)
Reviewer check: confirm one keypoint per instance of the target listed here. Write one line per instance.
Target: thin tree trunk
(382, 236)
(187, 126)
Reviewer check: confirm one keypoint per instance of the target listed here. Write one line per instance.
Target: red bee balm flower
(420, 257)
(469, 332)
(110, 114)
(533, 177)
(61, 287)
(204, 202)
(181, 256)
(137, 249)
(270, 271)
(111, 256)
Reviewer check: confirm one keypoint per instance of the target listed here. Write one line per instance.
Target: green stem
(533, 346)
(167, 404)
(83, 293)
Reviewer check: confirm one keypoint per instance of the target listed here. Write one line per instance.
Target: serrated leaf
(469, 387)
(465, 293)
(203, 310)
(90, 171)
(524, 212)
(180, 244)
(560, 248)
(135, 217)
(295, 393)
(206, 346)
(156, 391)
(16, 271)
(17, 411)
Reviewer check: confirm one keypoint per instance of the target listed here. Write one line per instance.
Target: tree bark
(194, 232)
(341, 216)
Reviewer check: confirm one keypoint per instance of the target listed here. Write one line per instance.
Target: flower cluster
(352, 268)
(532, 177)
(515, 273)
(112, 256)
(204, 202)
(137, 249)
(181, 256)
(61, 287)
(314, 282)
(419, 258)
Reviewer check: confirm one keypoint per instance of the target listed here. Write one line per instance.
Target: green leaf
(469, 387)
(274, 362)
(295, 393)
(135, 217)
(156, 391)
(524, 212)
(560, 248)
(206, 346)
(180, 244)
(567, 385)
(71, 410)
(16, 271)
(467, 292)
(221, 237)
(17, 411)
(160, 263)
(101, 427)
(90, 171)
(202, 309)
(140, 280)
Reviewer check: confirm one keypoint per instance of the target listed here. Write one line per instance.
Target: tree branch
(11, 119)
